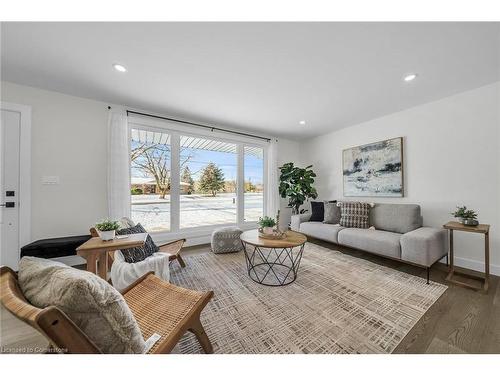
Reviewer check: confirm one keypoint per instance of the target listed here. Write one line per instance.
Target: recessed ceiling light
(120, 68)
(410, 77)
(302, 122)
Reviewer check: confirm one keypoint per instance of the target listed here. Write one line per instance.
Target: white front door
(10, 137)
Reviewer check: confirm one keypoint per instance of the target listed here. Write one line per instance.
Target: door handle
(8, 204)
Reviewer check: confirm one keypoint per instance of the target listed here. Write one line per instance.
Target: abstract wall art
(374, 170)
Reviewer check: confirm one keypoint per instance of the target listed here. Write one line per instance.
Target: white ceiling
(262, 77)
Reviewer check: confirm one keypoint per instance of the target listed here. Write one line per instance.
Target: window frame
(176, 131)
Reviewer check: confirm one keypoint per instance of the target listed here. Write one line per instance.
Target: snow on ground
(196, 210)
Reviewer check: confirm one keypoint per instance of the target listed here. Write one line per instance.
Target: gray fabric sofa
(398, 234)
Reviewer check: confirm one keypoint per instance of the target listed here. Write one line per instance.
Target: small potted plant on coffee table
(267, 224)
(107, 229)
(465, 216)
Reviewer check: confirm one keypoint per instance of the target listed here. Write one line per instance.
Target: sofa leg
(428, 274)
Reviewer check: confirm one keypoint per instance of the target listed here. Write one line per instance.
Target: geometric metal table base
(273, 266)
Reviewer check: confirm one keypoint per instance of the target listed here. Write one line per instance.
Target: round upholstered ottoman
(226, 240)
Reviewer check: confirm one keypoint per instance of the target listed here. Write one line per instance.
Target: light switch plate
(50, 180)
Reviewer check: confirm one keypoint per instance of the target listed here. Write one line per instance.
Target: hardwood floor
(461, 321)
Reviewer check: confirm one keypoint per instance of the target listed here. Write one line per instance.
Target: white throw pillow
(90, 302)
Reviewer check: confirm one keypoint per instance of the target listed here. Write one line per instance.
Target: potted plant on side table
(465, 216)
(267, 224)
(107, 229)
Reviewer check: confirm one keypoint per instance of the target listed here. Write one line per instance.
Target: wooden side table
(96, 250)
(481, 229)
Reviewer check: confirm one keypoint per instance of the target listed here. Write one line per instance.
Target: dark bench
(54, 247)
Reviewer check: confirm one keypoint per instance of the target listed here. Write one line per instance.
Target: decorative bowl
(274, 235)
(471, 222)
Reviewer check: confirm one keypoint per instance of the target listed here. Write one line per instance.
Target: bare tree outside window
(153, 160)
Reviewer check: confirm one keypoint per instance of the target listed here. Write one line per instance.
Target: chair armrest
(298, 219)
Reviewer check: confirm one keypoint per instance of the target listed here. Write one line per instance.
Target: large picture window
(182, 181)
(209, 170)
(254, 183)
(150, 177)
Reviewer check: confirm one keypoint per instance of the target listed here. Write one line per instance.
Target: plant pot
(461, 220)
(107, 235)
(268, 230)
(471, 222)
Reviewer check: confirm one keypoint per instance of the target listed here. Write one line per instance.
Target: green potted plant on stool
(107, 229)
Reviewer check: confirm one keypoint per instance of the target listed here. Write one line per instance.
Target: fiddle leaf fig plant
(296, 184)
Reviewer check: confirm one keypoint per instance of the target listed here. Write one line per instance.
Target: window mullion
(240, 187)
(175, 183)
(265, 181)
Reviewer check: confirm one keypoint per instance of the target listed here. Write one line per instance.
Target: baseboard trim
(475, 265)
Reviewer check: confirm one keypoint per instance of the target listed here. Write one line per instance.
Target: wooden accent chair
(173, 248)
(158, 306)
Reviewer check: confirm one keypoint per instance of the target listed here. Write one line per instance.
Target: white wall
(451, 157)
(69, 141)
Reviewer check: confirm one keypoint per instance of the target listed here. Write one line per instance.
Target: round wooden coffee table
(273, 262)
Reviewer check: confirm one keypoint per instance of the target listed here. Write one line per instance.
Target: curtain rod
(212, 128)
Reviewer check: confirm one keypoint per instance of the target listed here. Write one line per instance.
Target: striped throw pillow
(354, 214)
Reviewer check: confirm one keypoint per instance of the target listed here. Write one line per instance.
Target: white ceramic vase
(268, 230)
(107, 235)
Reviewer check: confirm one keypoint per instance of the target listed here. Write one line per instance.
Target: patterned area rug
(338, 304)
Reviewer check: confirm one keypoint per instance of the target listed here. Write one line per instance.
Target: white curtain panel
(118, 165)
(272, 195)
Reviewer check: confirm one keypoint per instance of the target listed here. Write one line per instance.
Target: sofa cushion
(424, 245)
(375, 241)
(332, 213)
(317, 211)
(90, 302)
(325, 232)
(399, 218)
(354, 214)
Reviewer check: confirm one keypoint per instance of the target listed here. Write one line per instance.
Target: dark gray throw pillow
(317, 211)
(137, 254)
(332, 213)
